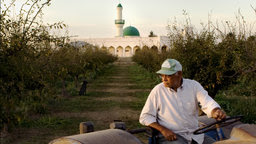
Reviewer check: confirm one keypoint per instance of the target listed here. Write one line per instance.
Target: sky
(95, 18)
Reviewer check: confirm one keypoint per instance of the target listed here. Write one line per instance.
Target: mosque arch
(111, 50)
(104, 48)
(136, 49)
(128, 51)
(164, 48)
(154, 48)
(119, 51)
(145, 47)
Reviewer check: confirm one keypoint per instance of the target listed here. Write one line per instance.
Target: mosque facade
(128, 41)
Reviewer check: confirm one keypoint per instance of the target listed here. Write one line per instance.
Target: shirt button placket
(179, 100)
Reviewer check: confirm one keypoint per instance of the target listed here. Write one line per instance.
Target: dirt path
(117, 88)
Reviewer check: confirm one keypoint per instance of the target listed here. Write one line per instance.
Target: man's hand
(218, 114)
(168, 134)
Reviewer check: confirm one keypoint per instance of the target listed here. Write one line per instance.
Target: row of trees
(215, 65)
(33, 62)
(213, 58)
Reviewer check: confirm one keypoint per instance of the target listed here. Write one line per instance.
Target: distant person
(172, 107)
(83, 88)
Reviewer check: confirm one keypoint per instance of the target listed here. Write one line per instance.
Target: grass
(82, 103)
(238, 105)
(43, 129)
(144, 78)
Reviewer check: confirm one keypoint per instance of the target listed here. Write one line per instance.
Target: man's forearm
(157, 126)
(167, 133)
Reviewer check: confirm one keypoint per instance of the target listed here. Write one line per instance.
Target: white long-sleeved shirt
(178, 111)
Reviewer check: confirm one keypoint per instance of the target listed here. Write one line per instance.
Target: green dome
(131, 31)
(119, 5)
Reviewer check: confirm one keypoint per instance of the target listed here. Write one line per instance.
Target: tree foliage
(215, 61)
(32, 62)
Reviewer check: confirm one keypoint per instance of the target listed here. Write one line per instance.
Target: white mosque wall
(127, 46)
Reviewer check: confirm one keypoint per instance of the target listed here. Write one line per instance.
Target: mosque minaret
(127, 41)
(119, 22)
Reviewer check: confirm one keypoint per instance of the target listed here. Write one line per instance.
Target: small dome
(131, 31)
(119, 5)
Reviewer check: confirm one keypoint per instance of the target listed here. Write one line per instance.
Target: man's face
(172, 81)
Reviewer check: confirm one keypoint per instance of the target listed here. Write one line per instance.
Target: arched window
(119, 51)
(104, 48)
(136, 49)
(145, 47)
(163, 49)
(111, 50)
(154, 48)
(128, 51)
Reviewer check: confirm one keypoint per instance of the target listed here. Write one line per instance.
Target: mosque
(127, 41)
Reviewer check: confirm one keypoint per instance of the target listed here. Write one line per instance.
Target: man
(172, 106)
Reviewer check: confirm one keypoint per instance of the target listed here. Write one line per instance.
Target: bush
(149, 59)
